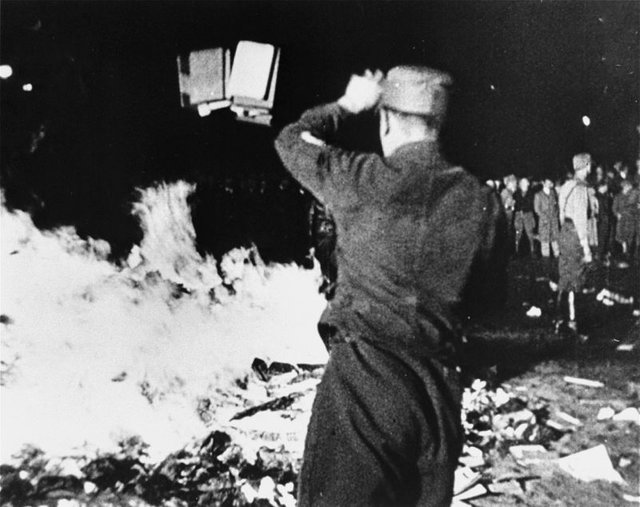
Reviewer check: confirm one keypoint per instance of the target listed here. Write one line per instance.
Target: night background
(103, 116)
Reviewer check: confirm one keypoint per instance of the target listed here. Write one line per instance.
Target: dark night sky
(105, 79)
(549, 63)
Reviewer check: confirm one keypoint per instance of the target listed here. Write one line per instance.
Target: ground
(526, 357)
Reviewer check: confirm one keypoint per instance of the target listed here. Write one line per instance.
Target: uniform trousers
(385, 429)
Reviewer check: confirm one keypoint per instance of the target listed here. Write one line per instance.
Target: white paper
(591, 465)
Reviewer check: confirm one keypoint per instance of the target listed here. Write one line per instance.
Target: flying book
(203, 77)
(208, 81)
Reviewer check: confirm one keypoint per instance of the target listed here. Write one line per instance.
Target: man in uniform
(575, 253)
(385, 427)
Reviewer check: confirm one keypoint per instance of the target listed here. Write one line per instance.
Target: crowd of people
(613, 222)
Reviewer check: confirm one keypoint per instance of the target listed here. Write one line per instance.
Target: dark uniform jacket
(523, 202)
(409, 228)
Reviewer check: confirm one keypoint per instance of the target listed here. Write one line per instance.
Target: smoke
(94, 352)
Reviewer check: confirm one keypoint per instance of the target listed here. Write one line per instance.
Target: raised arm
(334, 175)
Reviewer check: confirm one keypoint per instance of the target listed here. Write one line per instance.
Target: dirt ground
(526, 356)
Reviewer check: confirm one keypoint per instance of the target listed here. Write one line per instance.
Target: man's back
(409, 227)
(405, 256)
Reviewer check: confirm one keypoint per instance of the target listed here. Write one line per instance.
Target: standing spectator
(599, 175)
(605, 221)
(322, 232)
(545, 204)
(593, 222)
(574, 204)
(524, 220)
(625, 208)
(508, 203)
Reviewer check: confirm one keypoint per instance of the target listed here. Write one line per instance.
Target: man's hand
(363, 92)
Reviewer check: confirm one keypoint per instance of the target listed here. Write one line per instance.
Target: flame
(94, 352)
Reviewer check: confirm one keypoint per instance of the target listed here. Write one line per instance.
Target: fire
(94, 352)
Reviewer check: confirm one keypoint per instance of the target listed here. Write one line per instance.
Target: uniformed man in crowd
(575, 253)
(385, 426)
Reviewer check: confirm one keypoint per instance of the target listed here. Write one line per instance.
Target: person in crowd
(524, 219)
(599, 175)
(593, 219)
(575, 254)
(508, 203)
(545, 205)
(605, 221)
(385, 424)
(322, 232)
(625, 208)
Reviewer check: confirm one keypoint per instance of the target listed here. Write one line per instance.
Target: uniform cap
(416, 90)
(581, 161)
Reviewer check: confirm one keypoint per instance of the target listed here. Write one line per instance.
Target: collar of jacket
(419, 151)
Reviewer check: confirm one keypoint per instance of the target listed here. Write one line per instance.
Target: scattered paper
(474, 492)
(569, 418)
(555, 425)
(606, 294)
(628, 414)
(605, 413)
(534, 312)
(591, 465)
(472, 461)
(631, 498)
(527, 454)
(464, 479)
(505, 488)
(625, 347)
(583, 382)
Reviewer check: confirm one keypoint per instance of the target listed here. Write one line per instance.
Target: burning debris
(94, 352)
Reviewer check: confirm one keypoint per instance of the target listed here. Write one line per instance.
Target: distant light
(586, 121)
(28, 87)
(493, 88)
(5, 71)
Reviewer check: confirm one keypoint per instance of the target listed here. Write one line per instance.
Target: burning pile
(95, 353)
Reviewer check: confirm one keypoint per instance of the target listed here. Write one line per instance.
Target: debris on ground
(591, 465)
(534, 312)
(613, 297)
(628, 414)
(605, 413)
(583, 382)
